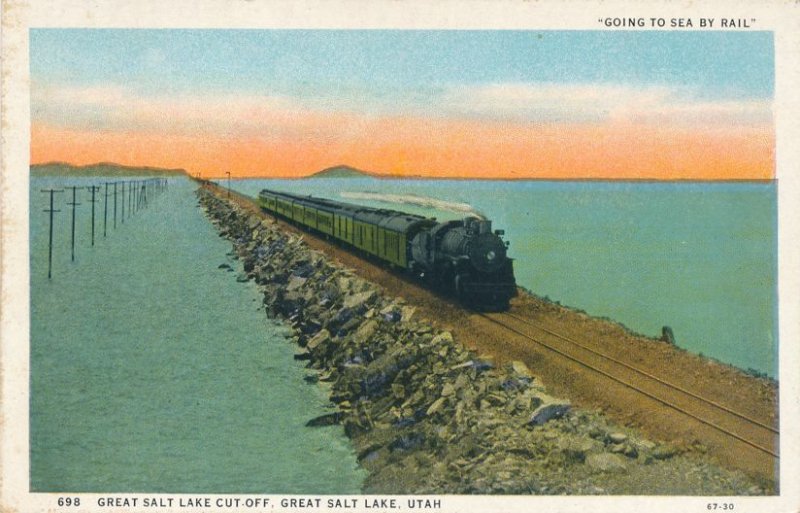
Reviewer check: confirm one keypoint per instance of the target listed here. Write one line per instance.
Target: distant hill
(100, 169)
(342, 172)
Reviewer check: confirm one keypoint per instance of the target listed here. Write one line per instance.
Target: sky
(456, 104)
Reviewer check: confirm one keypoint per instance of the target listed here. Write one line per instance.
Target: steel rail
(646, 374)
(634, 387)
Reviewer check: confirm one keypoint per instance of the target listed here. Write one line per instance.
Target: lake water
(152, 370)
(698, 257)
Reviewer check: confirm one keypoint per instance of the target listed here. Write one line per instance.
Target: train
(462, 257)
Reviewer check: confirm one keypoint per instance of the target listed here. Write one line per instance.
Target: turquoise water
(698, 257)
(154, 371)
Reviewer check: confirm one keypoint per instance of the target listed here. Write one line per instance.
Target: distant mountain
(100, 169)
(342, 172)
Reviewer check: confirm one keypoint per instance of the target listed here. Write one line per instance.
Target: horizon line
(379, 175)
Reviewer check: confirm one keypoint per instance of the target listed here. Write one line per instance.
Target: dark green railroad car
(464, 256)
(383, 233)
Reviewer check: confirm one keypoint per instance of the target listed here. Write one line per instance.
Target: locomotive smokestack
(477, 225)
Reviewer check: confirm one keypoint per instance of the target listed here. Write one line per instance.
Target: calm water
(699, 257)
(154, 371)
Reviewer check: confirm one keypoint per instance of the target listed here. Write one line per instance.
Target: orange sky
(434, 147)
(504, 104)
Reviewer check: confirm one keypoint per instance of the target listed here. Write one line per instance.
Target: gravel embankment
(426, 415)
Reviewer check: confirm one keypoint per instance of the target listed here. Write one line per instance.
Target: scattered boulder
(359, 299)
(448, 390)
(617, 438)
(329, 419)
(436, 407)
(320, 338)
(365, 331)
(550, 408)
(520, 368)
(444, 337)
(295, 282)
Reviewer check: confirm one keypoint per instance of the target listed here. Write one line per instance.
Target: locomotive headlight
(490, 256)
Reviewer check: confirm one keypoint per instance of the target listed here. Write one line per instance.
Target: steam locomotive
(464, 257)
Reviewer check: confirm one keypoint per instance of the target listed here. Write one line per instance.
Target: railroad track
(713, 414)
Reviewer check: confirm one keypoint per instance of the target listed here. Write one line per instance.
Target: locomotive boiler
(464, 257)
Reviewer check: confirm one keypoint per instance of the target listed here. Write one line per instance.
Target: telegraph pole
(74, 204)
(229, 182)
(50, 244)
(93, 188)
(115, 205)
(105, 210)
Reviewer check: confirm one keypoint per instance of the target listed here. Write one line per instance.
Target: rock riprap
(426, 415)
